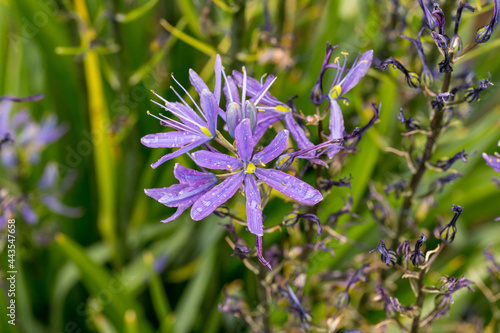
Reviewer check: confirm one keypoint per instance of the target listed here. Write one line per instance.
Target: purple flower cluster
(245, 165)
(22, 141)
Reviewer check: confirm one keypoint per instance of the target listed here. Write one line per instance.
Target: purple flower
(411, 123)
(493, 161)
(387, 256)
(246, 169)
(192, 130)
(483, 34)
(192, 185)
(429, 19)
(412, 78)
(21, 132)
(439, 16)
(442, 44)
(340, 86)
(473, 94)
(445, 164)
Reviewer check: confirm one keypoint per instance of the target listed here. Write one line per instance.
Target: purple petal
(156, 193)
(218, 81)
(177, 213)
(172, 139)
(58, 207)
(197, 82)
(179, 152)
(289, 186)
(182, 194)
(244, 140)
(209, 202)
(264, 120)
(492, 161)
(258, 246)
(231, 93)
(273, 150)
(28, 214)
(357, 72)
(298, 134)
(211, 108)
(336, 121)
(207, 159)
(49, 176)
(49, 131)
(254, 210)
(191, 177)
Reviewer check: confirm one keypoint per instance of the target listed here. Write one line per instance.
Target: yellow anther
(206, 131)
(282, 108)
(229, 167)
(250, 168)
(261, 163)
(344, 53)
(336, 60)
(260, 207)
(283, 183)
(335, 92)
(243, 194)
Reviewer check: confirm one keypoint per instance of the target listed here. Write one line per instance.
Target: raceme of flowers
(245, 166)
(22, 141)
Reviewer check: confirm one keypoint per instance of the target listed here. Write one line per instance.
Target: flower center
(335, 92)
(250, 168)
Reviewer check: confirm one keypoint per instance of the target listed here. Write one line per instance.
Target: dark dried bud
(450, 230)
(417, 257)
(387, 256)
(222, 211)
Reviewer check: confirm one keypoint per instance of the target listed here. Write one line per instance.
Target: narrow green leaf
(136, 13)
(101, 284)
(199, 45)
(191, 298)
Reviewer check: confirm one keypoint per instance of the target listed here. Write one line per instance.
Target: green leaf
(136, 13)
(103, 285)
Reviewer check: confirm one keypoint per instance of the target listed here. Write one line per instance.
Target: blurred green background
(96, 62)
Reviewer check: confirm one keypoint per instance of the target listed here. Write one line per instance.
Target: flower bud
(483, 34)
(222, 211)
(427, 78)
(341, 300)
(234, 116)
(456, 44)
(413, 80)
(250, 112)
(316, 95)
(443, 301)
(290, 219)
